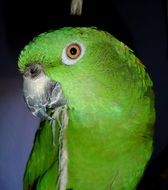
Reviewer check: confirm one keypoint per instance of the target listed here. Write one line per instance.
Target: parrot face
(107, 139)
(42, 93)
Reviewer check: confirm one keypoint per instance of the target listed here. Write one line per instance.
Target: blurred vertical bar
(76, 7)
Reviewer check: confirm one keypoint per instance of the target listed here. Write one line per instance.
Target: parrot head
(85, 68)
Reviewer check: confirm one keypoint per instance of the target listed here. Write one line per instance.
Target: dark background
(141, 24)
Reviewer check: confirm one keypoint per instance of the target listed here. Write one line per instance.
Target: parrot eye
(72, 53)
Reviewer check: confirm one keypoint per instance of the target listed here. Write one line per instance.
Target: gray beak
(40, 92)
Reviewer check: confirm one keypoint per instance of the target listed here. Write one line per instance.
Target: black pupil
(73, 51)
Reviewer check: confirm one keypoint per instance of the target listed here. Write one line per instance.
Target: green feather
(42, 166)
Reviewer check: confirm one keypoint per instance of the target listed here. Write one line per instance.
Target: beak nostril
(33, 71)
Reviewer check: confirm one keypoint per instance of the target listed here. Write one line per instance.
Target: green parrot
(96, 105)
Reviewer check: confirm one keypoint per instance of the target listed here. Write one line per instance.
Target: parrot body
(98, 133)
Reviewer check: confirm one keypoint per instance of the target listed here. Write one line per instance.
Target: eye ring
(72, 53)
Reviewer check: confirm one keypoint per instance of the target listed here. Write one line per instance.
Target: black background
(141, 24)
